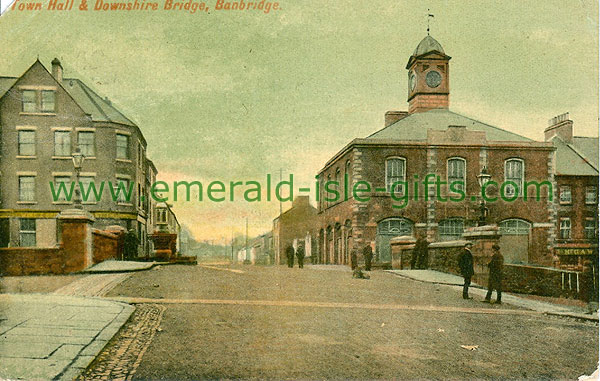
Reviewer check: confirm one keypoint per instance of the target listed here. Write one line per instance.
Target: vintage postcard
(284, 189)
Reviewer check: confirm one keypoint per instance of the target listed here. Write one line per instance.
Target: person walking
(465, 263)
(289, 252)
(422, 253)
(368, 256)
(300, 255)
(496, 266)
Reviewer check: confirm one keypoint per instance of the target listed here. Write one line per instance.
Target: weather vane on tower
(429, 17)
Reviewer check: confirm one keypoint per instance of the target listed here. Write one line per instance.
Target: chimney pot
(57, 70)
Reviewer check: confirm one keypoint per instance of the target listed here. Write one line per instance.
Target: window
(327, 194)
(565, 228)
(514, 226)
(513, 171)
(27, 232)
(59, 190)
(590, 228)
(451, 229)
(26, 188)
(29, 101)
(338, 186)
(26, 143)
(565, 194)
(48, 104)
(395, 227)
(62, 143)
(122, 191)
(456, 173)
(395, 171)
(122, 146)
(85, 141)
(591, 195)
(86, 182)
(162, 216)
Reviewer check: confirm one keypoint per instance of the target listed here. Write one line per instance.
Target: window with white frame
(457, 173)
(85, 142)
(27, 236)
(62, 143)
(451, 229)
(48, 102)
(395, 172)
(122, 190)
(29, 101)
(87, 185)
(122, 146)
(514, 170)
(591, 195)
(565, 194)
(161, 216)
(565, 228)
(27, 188)
(61, 190)
(590, 228)
(26, 142)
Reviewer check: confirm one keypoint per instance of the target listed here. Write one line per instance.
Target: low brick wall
(106, 245)
(32, 261)
(524, 279)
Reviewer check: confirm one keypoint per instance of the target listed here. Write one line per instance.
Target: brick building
(576, 176)
(429, 140)
(44, 118)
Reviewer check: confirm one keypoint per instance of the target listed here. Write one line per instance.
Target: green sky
(236, 95)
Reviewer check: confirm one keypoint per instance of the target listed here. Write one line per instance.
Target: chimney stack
(57, 70)
(560, 125)
(392, 117)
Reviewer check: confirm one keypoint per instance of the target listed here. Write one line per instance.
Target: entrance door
(386, 230)
(515, 240)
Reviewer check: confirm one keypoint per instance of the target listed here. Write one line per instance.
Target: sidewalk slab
(32, 349)
(112, 266)
(437, 277)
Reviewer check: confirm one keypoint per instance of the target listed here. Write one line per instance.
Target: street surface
(196, 322)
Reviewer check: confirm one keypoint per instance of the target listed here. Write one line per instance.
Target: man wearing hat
(495, 279)
(465, 263)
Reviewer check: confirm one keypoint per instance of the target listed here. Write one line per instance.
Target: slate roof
(415, 126)
(428, 44)
(101, 109)
(579, 158)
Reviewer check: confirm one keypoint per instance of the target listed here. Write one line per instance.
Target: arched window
(395, 171)
(514, 226)
(451, 229)
(514, 170)
(338, 185)
(327, 194)
(395, 227)
(347, 177)
(456, 171)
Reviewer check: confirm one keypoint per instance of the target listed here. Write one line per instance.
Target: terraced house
(430, 140)
(44, 118)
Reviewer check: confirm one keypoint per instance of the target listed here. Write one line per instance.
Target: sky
(234, 96)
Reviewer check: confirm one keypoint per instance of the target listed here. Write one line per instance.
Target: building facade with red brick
(422, 151)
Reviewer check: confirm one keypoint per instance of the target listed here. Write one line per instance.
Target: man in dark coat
(300, 255)
(465, 263)
(421, 251)
(495, 280)
(130, 245)
(353, 259)
(289, 253)
(368, 256)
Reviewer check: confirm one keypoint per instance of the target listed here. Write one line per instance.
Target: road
(197, 322)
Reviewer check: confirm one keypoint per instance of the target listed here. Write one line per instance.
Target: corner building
(431, 139)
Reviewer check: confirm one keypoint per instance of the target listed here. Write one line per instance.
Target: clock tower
(428, 77)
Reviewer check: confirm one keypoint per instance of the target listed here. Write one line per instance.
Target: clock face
(433, 79)
(412, 80)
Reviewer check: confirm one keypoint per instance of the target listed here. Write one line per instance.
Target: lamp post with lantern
(78, 159)
(483, 178)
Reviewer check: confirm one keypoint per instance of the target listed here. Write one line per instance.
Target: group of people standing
(495, 266)
(299, 253)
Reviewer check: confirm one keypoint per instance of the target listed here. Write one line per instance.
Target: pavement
(112, 266)
(437, 277)
(54, 336)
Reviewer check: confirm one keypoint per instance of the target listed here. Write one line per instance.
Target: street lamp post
(483, 178)
(78, 159)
